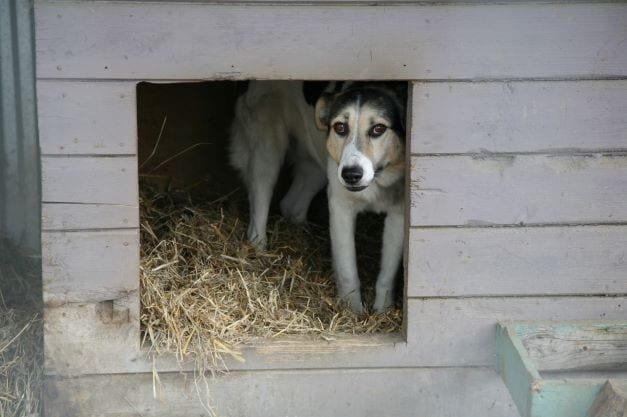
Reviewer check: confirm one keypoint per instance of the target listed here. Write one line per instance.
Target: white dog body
(274, 122)
(363, 164)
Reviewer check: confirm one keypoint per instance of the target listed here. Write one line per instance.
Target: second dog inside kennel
(203, 286)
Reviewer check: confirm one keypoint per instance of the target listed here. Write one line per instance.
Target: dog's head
(365, 127)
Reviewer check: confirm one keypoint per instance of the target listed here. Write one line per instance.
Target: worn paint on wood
(518, 189)
(304, 393)
(583, 346)
(441, 332)
(517, 261)
(87, 117)
(113, 40)
(611, 401)
(89, 266)
(547, 395)
(91, 180)
(564, 116)
(88, 335)
(61, 216)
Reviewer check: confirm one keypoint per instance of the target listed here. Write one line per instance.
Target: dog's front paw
(258, 240)
(382, 303)
(353, 300)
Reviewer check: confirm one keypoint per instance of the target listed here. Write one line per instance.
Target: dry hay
(206, 292)
(21, 353)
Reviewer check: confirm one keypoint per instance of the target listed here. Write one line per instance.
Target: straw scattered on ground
(206, 292)
(21, 356)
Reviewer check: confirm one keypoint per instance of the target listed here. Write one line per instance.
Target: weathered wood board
(89, 266)
(112, 40)
(522, 347)
(586, 346)
(62, 216)
(91, 180)
(519, 116)
(441, 332)
(81, 117)
(350, 393)
(484, 190)
(483, 261)
(88, 335)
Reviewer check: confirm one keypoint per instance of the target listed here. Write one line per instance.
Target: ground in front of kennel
(517, 185)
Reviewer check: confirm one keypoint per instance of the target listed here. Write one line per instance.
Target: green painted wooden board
(558, 368)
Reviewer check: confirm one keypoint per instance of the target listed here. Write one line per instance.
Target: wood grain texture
(113, 40)
(461, 330)
(60, 216)
(565, 347)
(519, 116)
(350, 393)
(91, 180)
(87, 117)
(89, 266)
(518, 189)
(517, 261)
(89, 335)
(441, 332)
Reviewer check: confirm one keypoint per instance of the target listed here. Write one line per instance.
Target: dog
(350, 136)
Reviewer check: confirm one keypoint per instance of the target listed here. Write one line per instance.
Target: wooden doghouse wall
(518, 192)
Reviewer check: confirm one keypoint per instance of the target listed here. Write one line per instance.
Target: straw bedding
(206, 292)
(21, 356)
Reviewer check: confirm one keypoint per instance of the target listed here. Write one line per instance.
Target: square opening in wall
(264, 207)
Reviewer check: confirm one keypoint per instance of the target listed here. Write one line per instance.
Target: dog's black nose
(352, 175)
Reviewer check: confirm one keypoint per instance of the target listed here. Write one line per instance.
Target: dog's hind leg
(264, 167)
(393, 237)
(309, 178)
(258, 145)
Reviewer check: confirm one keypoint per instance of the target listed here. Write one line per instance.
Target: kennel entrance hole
(187, 183)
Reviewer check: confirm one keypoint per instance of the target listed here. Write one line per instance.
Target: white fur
(344, 206)
(265, 119)
(353, 157)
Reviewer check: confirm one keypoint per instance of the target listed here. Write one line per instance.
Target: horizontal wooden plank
(379, 392)
(89, 335)
(462, 330)
(89, 266)
(60, 216)
(91, 180)
(441, 332)
(113, 40)
(519, 116)
(518, 189)
(87, 117)
(517, 261)
(574, 346)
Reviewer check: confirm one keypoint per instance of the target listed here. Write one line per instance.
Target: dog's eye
(378, 130)
(340, 128)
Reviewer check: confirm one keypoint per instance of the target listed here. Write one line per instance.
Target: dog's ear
(323, 107)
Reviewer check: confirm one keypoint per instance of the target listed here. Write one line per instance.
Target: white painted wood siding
(442, 332)
(537, 150)
(201, 41)
(454, 262)
(88, 118)
(482, 190)
(519, 116)
(305, 393)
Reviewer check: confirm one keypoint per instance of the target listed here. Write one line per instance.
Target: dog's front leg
(393, 237)
(342, 224)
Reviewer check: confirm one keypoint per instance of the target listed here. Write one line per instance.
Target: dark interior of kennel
(183, 133)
